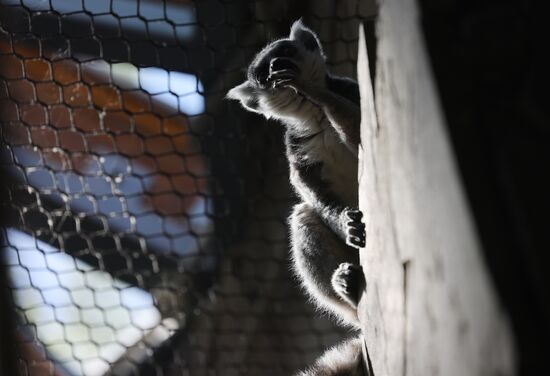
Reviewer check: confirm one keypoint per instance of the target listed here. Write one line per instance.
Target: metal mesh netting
(145, 226)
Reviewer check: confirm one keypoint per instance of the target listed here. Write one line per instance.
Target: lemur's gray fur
(341, 360)
(288, 81)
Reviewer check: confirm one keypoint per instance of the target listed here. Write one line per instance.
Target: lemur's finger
(354, 224)
(354, 215)
(356, 242)
(344, 269)
(292, 85)
(286, 83)
(281, 74)
(281, 82)
(280, 63)
(277, 81)
(359, 233)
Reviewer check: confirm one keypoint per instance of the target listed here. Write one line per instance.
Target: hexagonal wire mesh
(146, 216)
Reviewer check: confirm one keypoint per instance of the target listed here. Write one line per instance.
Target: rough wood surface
(429, 307)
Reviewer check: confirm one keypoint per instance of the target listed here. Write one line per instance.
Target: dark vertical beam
(430, 307)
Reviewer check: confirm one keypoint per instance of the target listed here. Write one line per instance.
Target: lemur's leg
(343, 114)
(345, 222)
(343, 359)
(322, 262)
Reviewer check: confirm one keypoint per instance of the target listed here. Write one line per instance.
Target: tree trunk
(429, 307)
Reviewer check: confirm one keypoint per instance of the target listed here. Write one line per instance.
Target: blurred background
(144, 216)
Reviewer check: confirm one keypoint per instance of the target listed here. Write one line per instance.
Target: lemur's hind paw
(346, 282)
(282, 71)
(355, 229)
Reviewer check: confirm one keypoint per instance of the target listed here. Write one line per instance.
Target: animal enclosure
(144, 215)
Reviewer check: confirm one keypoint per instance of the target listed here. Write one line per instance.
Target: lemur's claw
(355, 231)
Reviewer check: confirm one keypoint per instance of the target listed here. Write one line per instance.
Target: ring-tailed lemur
(288, 81)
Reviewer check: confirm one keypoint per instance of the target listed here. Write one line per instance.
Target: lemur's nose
(282, 63)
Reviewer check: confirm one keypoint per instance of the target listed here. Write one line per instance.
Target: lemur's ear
(300, 33)
(246, 94)
(241, 92)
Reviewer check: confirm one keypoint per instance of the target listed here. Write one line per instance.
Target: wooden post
(429, 307)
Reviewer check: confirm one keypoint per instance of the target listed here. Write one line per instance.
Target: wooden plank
(429, 307)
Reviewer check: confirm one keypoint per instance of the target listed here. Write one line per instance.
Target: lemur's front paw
(282, 72)
(355, 229)
(346, 281)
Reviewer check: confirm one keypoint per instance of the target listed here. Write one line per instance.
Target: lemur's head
(301, 49)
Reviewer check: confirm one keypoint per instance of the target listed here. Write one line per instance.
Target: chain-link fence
(145, 215)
